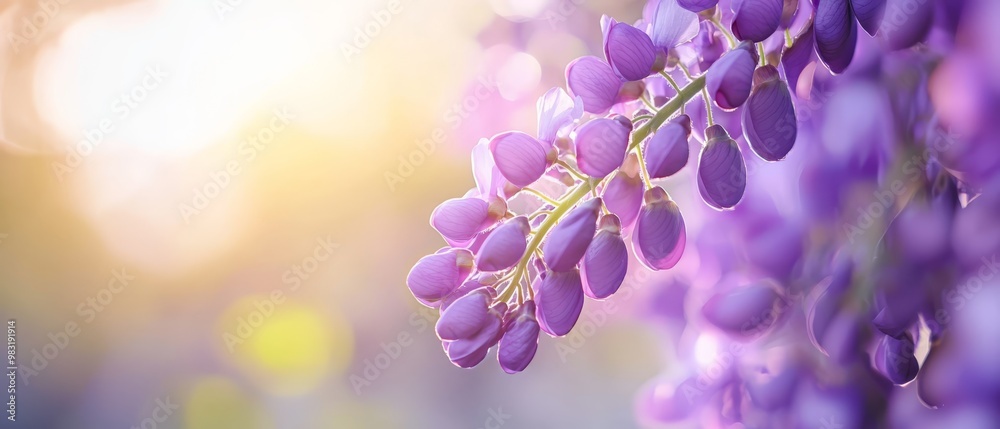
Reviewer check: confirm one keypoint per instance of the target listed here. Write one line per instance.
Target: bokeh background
(260, 174)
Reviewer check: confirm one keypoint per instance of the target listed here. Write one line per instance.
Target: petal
(469, 352)
(697, 5)
(836, 34)
(659, 237)
(557, 111)
(796, 57)
(606, 261)
(460, 219)
(569, 239)
(756, 20)
(520, 158)
(667, 151)
(769, 123)
(671, 25)
(745, 311)
(560, 301)
(520, 341)
(463, 290)
(504, 246)
(465, 317)
(722, 175)
(485, 171)
(601, 145)
(729, 79)
(629, 51)
(895, 360)
(906, 22)
(869, 13)
(594, 82)
(435, 276)
(623, 194)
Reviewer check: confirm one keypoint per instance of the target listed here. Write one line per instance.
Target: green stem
(725, 32)
(672, 83)
(569, 201)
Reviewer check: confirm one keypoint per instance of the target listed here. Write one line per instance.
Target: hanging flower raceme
(509, 275)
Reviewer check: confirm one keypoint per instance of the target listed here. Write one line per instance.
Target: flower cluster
(506, 276)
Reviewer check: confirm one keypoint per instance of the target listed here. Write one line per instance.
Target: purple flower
(907, 22)
(756, 20)
(623, 193)
(559, 298)
(595, 82)
(520, 158)
(435, 276)
(557, 111)
(629, 51)
(869, 13)
(470, 326)
(894, 359)
(601, 145)
(659, 236)
(722, 175)
(728, 81)
(606, 261)
(667, 151)
(669, 23)
(745, 311)
(520, 339)
(569, 239)
(836, 34)
(489, 182)
(504, 246)
(460, 219)
(795, 58)
(697, 5)
(769, 123)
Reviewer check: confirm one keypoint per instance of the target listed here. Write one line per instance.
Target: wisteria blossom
(843, 152)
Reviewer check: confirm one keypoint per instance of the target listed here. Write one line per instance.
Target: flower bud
(836, 34)
(895, 360)
(623, 193)
(769, 123)
(729, 79)
(520, 339)
(629, 51)
(504, 246)
(435, 276)
(746, 311)
(559, 298)
(722, 175)
(601, 145)
(595, 82)
(659, 236)
(869, 13)
(520, 158)
(756, 20)
(458, 220)
(569, 239)
(667, 151)
(697, 5)
(606, 261)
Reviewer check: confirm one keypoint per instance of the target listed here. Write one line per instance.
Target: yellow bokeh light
(283, 346)
(218, 403)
